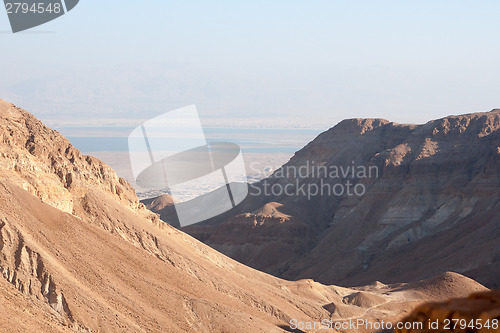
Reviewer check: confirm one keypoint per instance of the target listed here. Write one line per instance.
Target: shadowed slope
(431, 205)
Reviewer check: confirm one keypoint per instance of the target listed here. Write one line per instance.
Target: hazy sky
(408, 61)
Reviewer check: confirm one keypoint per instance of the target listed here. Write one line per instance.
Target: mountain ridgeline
(432, 205)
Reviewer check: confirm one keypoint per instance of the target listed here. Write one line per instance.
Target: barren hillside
(430, 205)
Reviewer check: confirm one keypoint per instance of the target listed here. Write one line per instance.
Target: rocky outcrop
(164, 207)
(430, 204)
(26, 270)
(479, 312)
(49, 167)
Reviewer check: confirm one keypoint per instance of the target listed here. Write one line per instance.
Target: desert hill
(431, 205)
(164, 207)
(79, 252)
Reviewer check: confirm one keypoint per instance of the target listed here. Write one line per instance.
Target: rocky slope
(431, 204)
(479, 312)
(78, 252)
(44, 163)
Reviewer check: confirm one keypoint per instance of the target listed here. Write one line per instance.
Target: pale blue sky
(408, 61)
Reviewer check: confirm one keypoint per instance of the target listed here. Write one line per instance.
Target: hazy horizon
(304, 64)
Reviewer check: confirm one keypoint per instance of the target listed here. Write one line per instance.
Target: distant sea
(115, 139)
(264, 150)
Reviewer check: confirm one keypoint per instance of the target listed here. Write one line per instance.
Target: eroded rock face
(42, 162)
(432, 206)
(479, 312)
(26, 270)
(49, 166)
